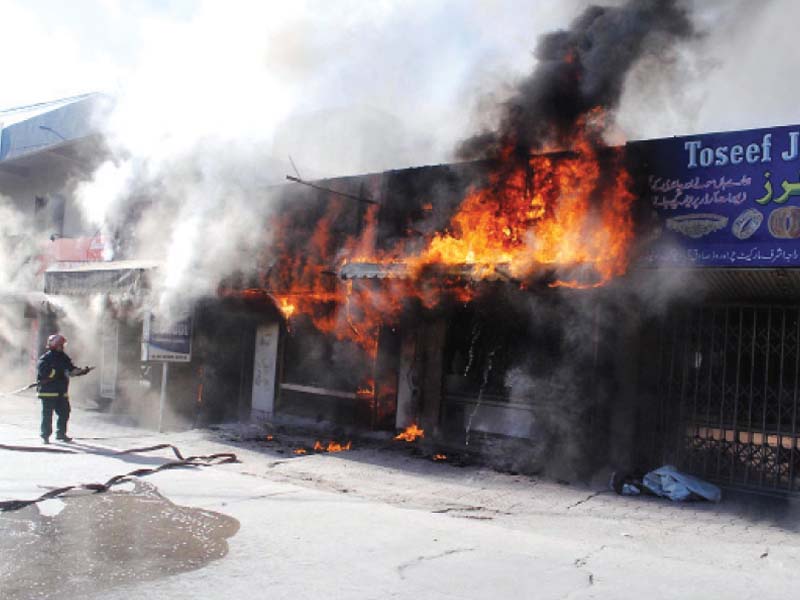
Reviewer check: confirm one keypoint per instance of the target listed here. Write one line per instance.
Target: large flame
(550, 213)
(565, 217)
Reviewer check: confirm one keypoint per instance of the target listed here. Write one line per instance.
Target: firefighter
(53, 373)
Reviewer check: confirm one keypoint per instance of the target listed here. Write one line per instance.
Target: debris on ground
(666, 482)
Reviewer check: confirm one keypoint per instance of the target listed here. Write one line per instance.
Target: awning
(122, 277)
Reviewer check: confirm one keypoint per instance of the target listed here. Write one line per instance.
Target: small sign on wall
(166, 341)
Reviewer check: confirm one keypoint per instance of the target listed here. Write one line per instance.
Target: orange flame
(286, 307)
(332, 446)
(562, 218)
(300, 451)
(367, 391)
(439, 457)
(565, 217)
(411, 433)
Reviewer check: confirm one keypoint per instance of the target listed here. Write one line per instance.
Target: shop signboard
(167, 341)
(723, 199)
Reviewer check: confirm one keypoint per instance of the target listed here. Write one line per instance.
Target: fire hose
(86, 371)
(208, 460)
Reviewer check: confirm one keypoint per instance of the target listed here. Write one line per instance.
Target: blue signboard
(724, 199)
(166, 341)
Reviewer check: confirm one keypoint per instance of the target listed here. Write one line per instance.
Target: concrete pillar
(431, 358)
(408, 380)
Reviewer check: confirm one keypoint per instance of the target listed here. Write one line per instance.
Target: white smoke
(212, 100)
(736, 75)
(216, 103)
(17, 276)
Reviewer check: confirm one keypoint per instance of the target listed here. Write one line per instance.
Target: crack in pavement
(442, 511)
(589, 497)
(402, 567)
(579, 563)
(582, 560)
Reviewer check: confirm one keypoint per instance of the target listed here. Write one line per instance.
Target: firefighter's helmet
(56, 342)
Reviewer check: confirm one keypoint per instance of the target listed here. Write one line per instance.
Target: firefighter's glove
(79, 372)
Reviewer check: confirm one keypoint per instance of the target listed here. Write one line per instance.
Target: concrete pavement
(368, 523)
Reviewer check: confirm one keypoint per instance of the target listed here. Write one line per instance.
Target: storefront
(720, 386)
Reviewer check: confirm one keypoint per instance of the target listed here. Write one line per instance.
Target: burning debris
(439, 457)
(368, 391)
(411, 433)
(332, 447)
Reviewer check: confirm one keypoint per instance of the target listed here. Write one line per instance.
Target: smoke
(735, 75)
(579, 70)
(201, 213)
(18, 269)
(213, 105)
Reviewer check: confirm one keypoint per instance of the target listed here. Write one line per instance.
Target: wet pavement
(363, 524)
(87, 543)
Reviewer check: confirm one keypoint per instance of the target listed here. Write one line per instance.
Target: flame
(332, 446)
(439, 457)
(286, 307)
(366, 391)
(300, 451)
(411, 433)
(561, 218)
(270, 438)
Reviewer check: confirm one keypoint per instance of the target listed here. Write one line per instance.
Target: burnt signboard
(723, 199)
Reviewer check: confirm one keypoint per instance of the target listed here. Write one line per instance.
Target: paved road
(369, 523)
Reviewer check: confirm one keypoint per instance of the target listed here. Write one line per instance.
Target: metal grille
(728, 386)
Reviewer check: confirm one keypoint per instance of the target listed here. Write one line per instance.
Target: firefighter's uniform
(53, 390)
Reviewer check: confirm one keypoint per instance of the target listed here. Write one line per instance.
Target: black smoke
(579, 69)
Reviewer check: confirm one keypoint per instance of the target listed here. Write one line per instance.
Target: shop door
(727, 395)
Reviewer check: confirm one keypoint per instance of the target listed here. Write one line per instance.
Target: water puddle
(96, 542)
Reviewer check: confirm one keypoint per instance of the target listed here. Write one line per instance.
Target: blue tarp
(670, 483)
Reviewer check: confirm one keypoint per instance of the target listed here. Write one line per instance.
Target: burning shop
(466, 299)
(482, 300)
